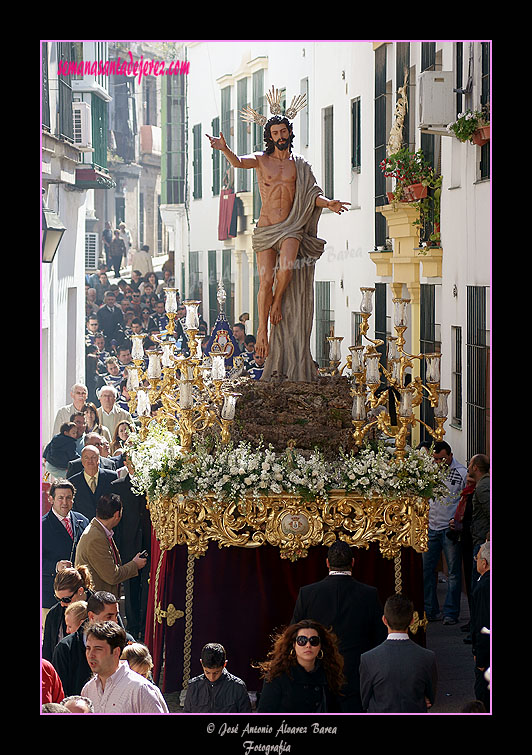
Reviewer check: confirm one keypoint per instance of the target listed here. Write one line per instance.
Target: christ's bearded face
(280, 136)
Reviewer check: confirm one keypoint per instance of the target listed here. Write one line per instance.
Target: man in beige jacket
(98, 550)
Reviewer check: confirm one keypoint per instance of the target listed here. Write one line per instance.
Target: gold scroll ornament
(291, 523)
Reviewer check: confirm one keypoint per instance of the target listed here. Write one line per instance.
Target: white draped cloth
(289, 356)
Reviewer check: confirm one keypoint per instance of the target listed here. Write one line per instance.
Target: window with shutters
(99, 114)
(228, 285)
(243, 135)
(258, 104)
(227, 131)
(215, 157)
(213, 287)
(304, 126)
(477, 381)
(380, 138)
(355, 135)
(65, 127)
(196, 161)
(484, 101)
(195, 289)
(328, 152)
(429, 343)
(456, 375)
(324, 321)
(173, 163)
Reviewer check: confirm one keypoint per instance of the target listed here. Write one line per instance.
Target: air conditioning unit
(81, 113)
(437, 101)
(91, 252)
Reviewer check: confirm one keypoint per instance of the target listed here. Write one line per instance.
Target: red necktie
(68, 526)
(115, 552)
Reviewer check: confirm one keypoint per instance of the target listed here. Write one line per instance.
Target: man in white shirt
(441, 510)
(115, 688)
(109, 413)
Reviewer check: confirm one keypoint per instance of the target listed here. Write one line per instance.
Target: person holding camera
(441, 510)
(97, 548)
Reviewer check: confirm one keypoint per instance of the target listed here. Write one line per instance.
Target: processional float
(209, 491)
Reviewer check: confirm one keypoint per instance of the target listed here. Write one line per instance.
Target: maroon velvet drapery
(241, 596)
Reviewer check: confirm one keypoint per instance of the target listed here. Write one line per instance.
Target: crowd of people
(343, 651)
(358, 657)
(115, 311)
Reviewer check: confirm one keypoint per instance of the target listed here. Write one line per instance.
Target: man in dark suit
(111, 319)
(352, 609)
(92, 439)
(480, 619)
(92, 482)
(398, 676)
(132, 535)
(61, 530)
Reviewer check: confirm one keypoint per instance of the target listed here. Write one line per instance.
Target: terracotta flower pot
(414, 192)
(481, 136)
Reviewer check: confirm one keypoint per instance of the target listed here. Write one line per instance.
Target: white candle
(358, 410)
(185, 395)
(400, 315)
(372, 369)
(432, 374)
(171, 299)
(192, 320)
(366, 305)
(137, 350)
(357, 358)
(167, 358)
(441, 410)
(143, 404)
(132, 378)
(229, 407)
(218, 368)
(154, 365)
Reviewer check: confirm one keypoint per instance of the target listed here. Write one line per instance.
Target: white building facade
(63, 280)
(351, 89)
(75, 98)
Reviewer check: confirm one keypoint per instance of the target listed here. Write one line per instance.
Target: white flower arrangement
(231, 472)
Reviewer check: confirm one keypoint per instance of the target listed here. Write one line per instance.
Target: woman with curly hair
(304, 671)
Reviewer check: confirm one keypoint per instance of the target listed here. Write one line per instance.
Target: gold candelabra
(374, 385)
(190, 388)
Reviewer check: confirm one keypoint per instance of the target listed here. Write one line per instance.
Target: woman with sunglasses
(70, 585)
(304, 671)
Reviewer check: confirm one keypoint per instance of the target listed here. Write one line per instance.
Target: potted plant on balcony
(412, 173)
(472, 126)
(429, 214)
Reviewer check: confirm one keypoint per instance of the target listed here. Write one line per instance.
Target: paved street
(454, 659)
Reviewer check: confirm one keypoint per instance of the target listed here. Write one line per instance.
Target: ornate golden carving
(171, 614)
(291, 523)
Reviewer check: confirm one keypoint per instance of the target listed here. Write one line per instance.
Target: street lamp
(52, 233)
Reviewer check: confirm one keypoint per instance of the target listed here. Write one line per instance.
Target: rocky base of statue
(302, 414)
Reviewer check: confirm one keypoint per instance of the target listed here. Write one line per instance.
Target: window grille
(477, 371)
